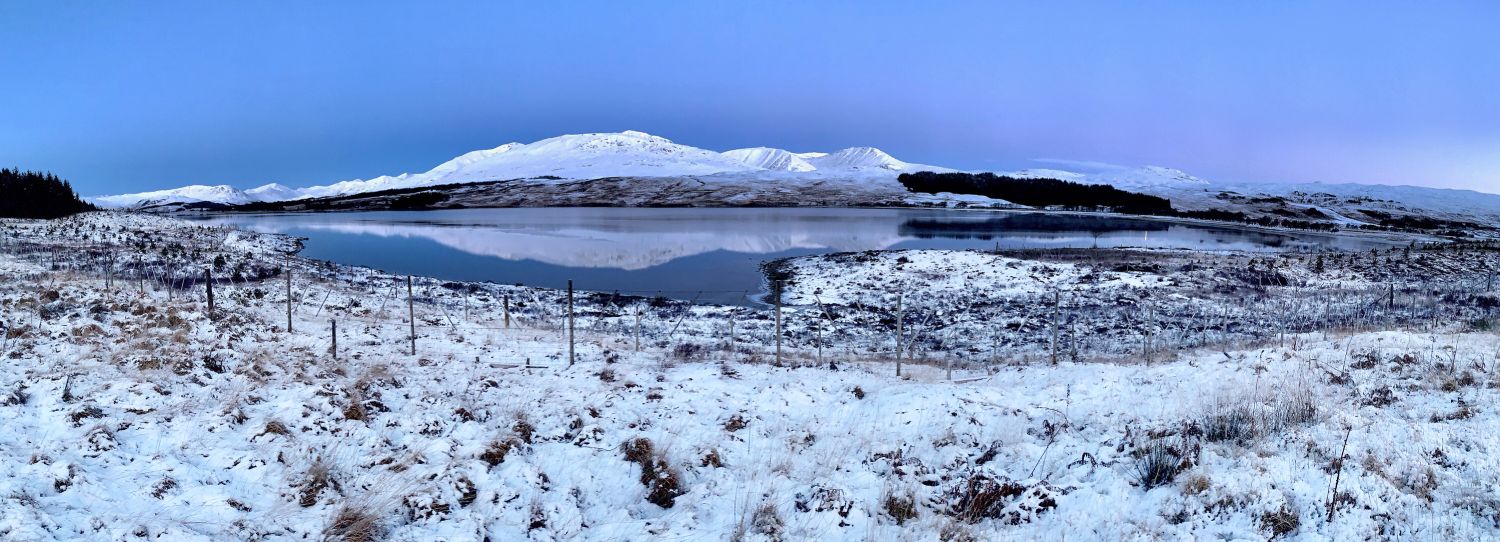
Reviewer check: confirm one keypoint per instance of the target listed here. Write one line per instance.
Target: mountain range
(575, 156)
(643, 169)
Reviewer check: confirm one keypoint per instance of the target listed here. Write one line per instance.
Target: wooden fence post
(411, 314)
(778, 322)
(1056, 311)
(288, 293)
(571, 356)
(334, 333)
(208, 282)
(900, 340)
(506, 309)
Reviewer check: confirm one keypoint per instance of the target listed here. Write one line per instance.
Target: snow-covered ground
(130, 413)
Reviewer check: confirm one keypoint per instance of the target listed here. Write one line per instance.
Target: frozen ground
(130, 412)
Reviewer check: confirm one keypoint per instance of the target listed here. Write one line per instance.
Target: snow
(771, 159)
(132, 415)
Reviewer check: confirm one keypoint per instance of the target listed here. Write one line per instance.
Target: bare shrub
(735, 423)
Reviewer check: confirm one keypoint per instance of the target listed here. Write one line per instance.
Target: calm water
(711, 255)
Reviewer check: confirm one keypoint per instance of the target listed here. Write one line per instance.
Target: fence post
(169, 280)
(288, 293)
(411, 315)
(571, 356)
(732, 340)
(638, 328)
(1056, 311)
(506, 308)
(208, 282)
(778, 323)
(334, 324)
(900, 347)
(1151, 346)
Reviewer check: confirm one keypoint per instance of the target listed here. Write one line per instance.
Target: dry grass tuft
(901, 507)
(663, 484)
(495, 453)
(353, 524)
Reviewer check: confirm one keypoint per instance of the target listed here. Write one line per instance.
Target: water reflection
(679, 252)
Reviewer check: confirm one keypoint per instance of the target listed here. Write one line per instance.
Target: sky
(129, 96)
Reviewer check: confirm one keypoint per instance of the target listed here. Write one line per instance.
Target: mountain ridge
(634, 154)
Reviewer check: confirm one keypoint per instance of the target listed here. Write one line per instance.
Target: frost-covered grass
(128, 415)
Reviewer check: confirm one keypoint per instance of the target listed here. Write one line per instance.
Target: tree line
(1040, 192)
(35, 194)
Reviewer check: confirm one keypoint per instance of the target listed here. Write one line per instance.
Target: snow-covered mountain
(753, 173)
(271, 192)
(770, 159)
(576, 156)
(188, 194)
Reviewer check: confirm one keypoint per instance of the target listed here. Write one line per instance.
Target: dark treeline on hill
(32, 194)
(1037, 192)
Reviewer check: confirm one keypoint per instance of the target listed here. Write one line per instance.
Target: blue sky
(127, 96)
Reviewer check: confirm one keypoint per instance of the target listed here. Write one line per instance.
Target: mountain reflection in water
(712, 255)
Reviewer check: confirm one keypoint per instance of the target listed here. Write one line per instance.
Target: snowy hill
(188, 194)
(770, 159)
(271, 192)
